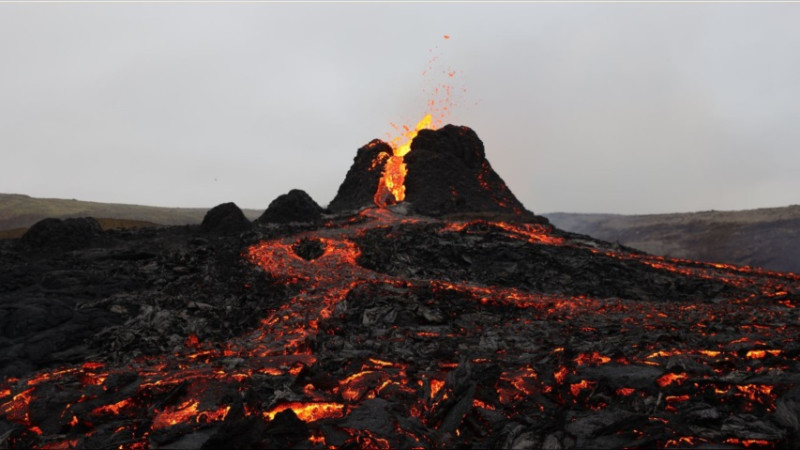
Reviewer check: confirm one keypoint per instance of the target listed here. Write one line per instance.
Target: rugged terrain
(18, 212)
(464, 326)
(767, 237)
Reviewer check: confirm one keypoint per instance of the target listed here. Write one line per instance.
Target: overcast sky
(624, 108)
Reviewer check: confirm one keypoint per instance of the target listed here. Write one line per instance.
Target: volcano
(425, 308)
(447, 172)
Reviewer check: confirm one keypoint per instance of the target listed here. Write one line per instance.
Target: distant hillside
(21, 211)
(105, 224)
(768, 238)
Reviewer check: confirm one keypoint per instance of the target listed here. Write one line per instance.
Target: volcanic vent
(373, 329)
(437, 172)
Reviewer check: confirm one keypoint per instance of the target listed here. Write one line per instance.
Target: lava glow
(534, 353)
(188, 411)
(391, 188)
(309, 412)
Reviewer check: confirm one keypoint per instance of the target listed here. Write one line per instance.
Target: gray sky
(627, 108)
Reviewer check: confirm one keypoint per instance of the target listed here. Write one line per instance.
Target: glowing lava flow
(466, 360)
(391, 188)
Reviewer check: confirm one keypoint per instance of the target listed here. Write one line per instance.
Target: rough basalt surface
(62, 233)
(226, 218)
(448, 173)
(128, 292)
(417, 251)
(358, 188)
(295, 206)
(414, 332)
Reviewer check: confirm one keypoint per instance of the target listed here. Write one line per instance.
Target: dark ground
(539, 338)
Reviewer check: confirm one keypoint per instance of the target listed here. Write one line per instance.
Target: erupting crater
(436, 172)
(391, 187)
(491, 329)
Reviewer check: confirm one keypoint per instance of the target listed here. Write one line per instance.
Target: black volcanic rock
(132, 291)
(225, 218)
(62, 233)
(309, 249)
(361, 181)
(407, 332)
(418, 251)
(448, 173)
(296, 206)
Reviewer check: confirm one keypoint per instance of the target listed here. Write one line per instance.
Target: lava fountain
(391, 188)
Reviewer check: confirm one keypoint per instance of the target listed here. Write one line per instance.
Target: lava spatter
(391, 187)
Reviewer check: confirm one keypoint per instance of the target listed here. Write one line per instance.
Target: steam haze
(624, 108)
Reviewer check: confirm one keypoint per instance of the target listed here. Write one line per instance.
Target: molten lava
(391, 188)
(296, 351)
